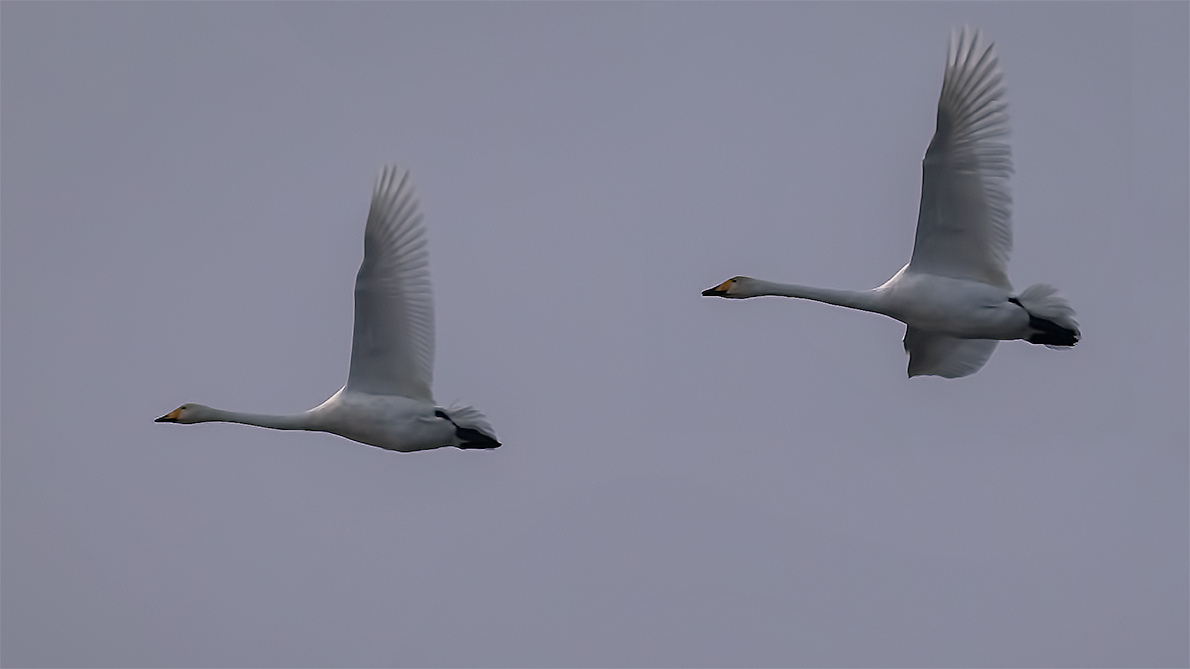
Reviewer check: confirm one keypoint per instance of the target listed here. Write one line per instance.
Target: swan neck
(298, 422)
(865, 300)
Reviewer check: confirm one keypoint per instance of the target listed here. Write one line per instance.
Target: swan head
(736, 287)
(187, 413)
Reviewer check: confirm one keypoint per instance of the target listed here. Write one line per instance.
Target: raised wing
(935, 354)
(392, 348)
(964, 226)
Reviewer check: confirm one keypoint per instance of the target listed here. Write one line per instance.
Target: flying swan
(954, 295)
(387, 400)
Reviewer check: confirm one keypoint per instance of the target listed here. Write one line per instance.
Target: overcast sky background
(684, 480)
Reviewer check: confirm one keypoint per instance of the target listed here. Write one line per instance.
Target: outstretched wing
(935, 354)
(964, 226)
(392, 348)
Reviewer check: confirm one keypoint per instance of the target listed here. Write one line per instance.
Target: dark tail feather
(1050, 333)
(471, 427)
(1050, 316)
(475, 439)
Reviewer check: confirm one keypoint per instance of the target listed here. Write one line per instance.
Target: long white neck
(302, 421)
(864, 300)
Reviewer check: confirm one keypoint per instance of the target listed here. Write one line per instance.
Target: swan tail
(471, 427)
(1051, 318)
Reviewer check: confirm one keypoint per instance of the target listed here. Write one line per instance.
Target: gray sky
(685, 480)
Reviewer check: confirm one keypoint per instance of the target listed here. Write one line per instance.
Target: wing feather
(936, 354)
(964, 226)
(392, 347)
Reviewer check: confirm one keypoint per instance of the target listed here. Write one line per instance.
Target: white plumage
(387, 400)
(954, 295)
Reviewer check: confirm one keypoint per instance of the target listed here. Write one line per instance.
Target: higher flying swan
(954, 295)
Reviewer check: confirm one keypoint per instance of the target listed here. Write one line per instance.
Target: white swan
(954, 294)
(387, 400)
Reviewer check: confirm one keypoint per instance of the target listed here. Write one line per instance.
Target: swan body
(954, 295)
(386, 401)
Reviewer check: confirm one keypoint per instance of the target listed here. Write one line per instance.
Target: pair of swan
(954, 295)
